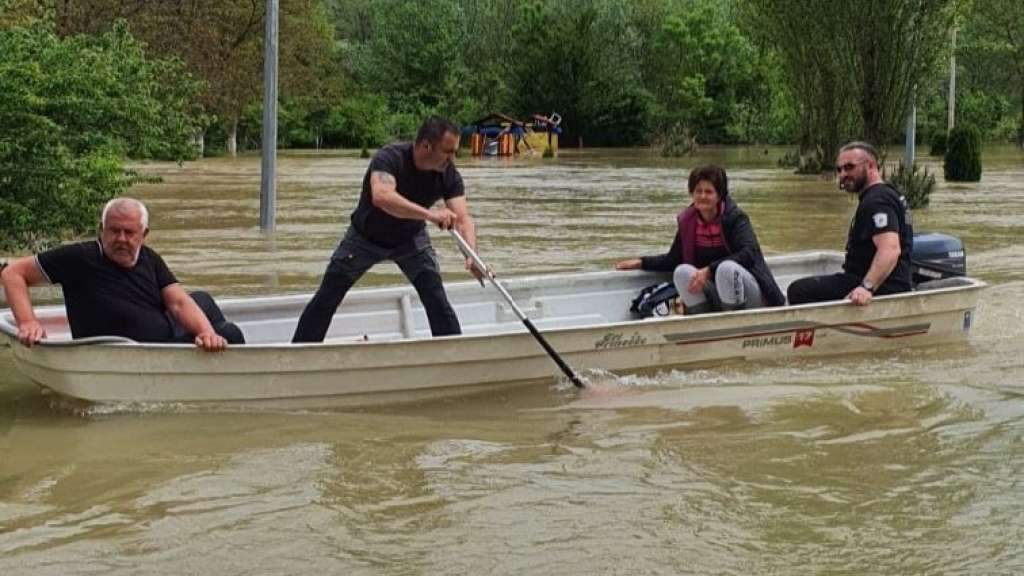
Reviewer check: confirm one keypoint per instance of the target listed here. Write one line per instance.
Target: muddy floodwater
(906, 463)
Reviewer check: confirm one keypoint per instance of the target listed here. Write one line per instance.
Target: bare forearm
(16, 290)
(882, 265)
(467, 228)
(187, 313)
(385, 196)
(396, 205)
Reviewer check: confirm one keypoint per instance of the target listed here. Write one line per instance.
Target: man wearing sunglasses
(880, 239)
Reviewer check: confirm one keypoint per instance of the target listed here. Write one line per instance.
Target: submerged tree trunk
(1020, 128)
(233, 138)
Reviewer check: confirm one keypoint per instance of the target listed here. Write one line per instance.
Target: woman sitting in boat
(715, 257)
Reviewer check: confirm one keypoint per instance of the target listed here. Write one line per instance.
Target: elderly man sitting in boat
(715, 257)
(117, 286)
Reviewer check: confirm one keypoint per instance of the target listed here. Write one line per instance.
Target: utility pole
(952, 85)
(268, 173)
(908, 150)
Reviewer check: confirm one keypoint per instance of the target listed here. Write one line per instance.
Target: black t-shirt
(105, 299)
(423, 187)
(881, 209)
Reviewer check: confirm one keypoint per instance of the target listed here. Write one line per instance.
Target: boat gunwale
(8, 329)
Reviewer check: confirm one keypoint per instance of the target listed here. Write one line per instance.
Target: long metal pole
(951, 120)
(911, 137)
(469, 252)
(268, 174)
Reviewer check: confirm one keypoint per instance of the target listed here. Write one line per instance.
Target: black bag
(655, 300)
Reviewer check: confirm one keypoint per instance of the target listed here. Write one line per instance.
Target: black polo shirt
(881, 209)
(105, 299)
(423, 187)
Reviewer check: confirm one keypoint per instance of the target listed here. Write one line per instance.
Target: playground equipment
(502, 135)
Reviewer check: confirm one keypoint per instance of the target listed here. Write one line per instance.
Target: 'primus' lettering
(768, 341)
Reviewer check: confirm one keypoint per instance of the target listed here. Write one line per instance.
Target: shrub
(938, 144)
(963, 155)
(679, 142)
(915, 185)
(71, 110)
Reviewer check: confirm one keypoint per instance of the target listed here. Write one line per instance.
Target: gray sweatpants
(733, 288)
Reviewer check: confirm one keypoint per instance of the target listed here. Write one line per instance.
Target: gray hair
(863, 146)
(123, 204)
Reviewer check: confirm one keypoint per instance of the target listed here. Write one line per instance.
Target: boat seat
(541, 324)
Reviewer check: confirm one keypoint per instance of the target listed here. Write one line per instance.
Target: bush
(803, 162)
(679, 142)
(938, 144)
(915, 185)
(963, 155)
(70, 112)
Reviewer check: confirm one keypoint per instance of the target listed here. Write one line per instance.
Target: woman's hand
(631, 264)
(699, 280)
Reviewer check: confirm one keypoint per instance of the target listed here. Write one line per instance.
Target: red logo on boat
(803, 338)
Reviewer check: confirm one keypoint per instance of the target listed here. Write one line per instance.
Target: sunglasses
(847, 167)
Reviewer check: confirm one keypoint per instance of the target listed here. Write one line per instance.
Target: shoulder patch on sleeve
(881, 220)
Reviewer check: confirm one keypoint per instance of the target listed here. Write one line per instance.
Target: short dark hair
(434, 128)
(711, 173)
(859, 145)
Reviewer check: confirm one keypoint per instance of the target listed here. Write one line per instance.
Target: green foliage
(619, 72)
(360, 121)
(915, 184)
(413, 55)
(678, 142)
(986, 112)
(963, 155)
(708, 76)
(993, 63)
(71, 110)
(938, 144)
(853, 64)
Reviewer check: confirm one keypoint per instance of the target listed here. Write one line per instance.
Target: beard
(124, 254)
(854, 184)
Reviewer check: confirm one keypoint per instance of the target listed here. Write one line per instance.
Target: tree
(854, 75)
(704, 72)
(581, 59)
(71, 110)
(998, 26)
(221, 43)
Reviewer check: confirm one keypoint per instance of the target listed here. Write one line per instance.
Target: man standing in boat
(117, 286)
(880, 239)
(400, 188)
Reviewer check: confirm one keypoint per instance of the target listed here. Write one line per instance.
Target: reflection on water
(900, 464)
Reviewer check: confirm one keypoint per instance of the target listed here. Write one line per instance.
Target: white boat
(379, 341)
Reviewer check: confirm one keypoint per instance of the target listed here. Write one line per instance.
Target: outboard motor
(936, 256)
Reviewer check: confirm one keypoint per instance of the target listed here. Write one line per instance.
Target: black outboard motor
(937, 256)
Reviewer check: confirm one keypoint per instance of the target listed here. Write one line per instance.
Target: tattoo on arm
(385, 178)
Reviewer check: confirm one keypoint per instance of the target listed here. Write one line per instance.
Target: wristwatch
(868, 285)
